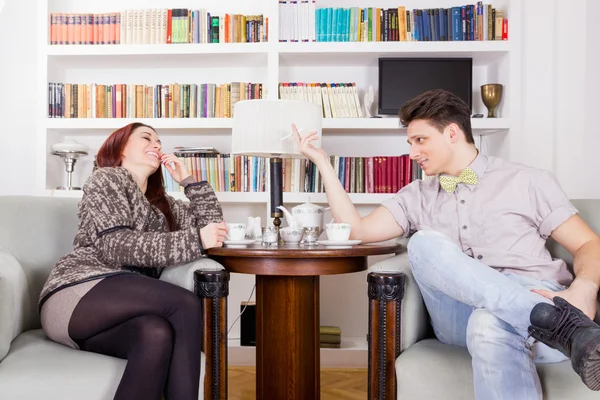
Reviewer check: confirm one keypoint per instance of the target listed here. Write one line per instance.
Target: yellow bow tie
(448, 183)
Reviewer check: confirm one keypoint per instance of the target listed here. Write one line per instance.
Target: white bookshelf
(367, 53)
(256, 198)
(480, 125)
(268, 63)
(159, 55)
(224, 197)
(95, 124)
(353, 353)
(230, 49)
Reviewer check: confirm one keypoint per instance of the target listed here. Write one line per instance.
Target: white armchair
(34, 233)
(406, 361)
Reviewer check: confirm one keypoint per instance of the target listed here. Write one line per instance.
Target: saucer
(239, 242)
(339, 242)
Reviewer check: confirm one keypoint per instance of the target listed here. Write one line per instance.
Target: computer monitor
(401, 79)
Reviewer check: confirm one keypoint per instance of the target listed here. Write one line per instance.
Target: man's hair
(439, 108)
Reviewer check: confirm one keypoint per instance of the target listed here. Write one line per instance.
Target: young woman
(104, 296)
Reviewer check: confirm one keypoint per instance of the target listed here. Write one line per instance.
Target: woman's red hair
(110, 155)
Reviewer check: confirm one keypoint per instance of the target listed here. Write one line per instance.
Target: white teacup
(291, 234)
(236, 230)
(338, 231)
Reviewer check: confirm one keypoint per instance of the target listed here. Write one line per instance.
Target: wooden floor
(336, 384)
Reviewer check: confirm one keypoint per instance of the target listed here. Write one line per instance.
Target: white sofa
(34, 233)
(406, 361)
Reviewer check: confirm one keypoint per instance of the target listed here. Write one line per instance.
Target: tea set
(305, 226)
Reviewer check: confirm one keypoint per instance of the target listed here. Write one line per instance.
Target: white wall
(18, 79)
(592, 105)
(561, 60)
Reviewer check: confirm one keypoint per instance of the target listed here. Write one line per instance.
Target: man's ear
(453, 132)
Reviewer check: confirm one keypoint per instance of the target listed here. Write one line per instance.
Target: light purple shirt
(502, 221)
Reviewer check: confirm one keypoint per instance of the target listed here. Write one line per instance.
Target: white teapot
(305, 214)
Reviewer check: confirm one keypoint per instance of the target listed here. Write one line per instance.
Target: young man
(477, 253)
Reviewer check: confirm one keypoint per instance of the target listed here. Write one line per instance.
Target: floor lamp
(263, 128)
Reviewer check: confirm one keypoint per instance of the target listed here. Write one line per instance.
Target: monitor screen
(401, 79)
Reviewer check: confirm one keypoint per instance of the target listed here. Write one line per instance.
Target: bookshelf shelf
(330, 125)
(321, 198)
(132, 55)
(224, 197)
(353, 353)
(256, 197)
(157, 49)
(158, 123)
(232, 197)
(367, 53)
(480, 125)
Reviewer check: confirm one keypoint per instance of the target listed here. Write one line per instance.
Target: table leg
(287, 338)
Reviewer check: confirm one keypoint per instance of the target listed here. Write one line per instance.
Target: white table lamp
(263, 128)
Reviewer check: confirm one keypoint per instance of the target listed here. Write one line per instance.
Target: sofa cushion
(36, 365)
(430, 369)
(38, 368)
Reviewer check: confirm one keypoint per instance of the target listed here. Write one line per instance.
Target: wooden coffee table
(287, 313)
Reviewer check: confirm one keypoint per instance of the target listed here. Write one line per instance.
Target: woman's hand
(178, 170)
(213, 235)
(314, 154)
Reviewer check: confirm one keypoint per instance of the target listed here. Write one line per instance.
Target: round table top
(303, 251)
(299, 260)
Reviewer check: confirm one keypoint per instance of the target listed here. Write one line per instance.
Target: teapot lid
(308, 205)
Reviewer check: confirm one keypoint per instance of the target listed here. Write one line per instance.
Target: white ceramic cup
(236, 230)
(291, 235)
(338, 231)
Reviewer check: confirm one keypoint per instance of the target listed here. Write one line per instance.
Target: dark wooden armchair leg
(213, 288)
(386, 291)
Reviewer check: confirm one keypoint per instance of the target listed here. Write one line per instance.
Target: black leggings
(155, 325)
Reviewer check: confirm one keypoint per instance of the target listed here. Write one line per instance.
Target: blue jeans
(474, 306)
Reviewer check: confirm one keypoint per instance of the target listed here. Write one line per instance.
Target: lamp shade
(260, 125)
(70, 145)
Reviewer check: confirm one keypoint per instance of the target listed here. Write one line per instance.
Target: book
(330, 345)
(187, 149)
(329, 338)
(329, 330)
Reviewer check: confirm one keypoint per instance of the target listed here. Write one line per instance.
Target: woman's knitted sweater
(121, 232)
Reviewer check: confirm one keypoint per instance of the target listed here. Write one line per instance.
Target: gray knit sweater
(121, 232)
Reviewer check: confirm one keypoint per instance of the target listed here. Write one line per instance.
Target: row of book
(224, 172)
(156, 26)
(205, 100)
(337, 100)
(379, 174)
(237, 173)
(297, 21)
(374, 24)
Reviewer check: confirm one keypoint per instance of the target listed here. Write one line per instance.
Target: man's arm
(378, 226)
(579, 239)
